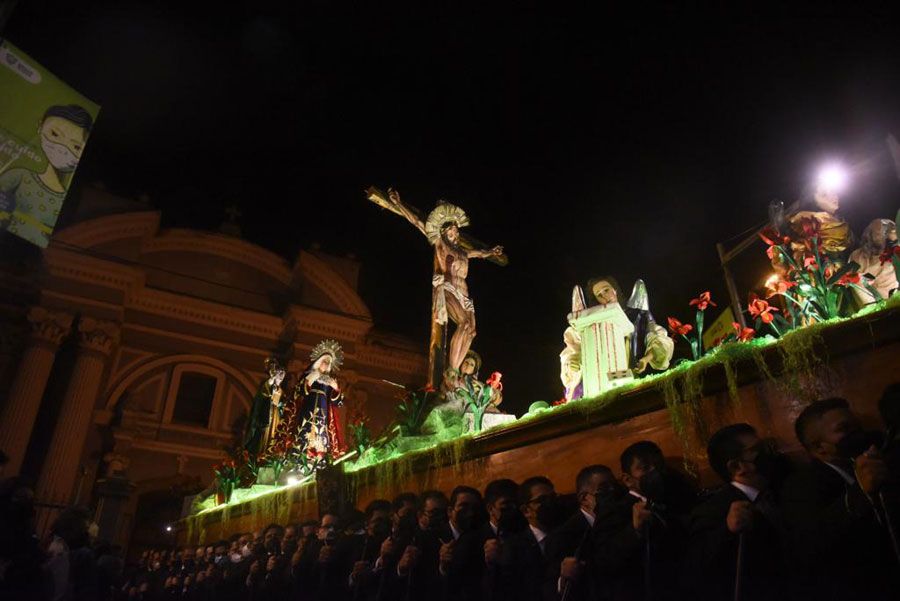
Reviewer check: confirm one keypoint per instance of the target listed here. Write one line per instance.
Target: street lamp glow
(832, 178)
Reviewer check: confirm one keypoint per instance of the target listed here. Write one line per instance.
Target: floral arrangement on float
(360, 432)
(239, 469)
(682, 330)
(479, 397)
(813, 282)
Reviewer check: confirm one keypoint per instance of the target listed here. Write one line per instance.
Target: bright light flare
(168, 528)
(832, 178)
(292, 480)
(773, 280)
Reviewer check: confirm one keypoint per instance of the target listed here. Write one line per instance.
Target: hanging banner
(44, 126)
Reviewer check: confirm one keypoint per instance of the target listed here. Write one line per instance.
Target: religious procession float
(826, 323)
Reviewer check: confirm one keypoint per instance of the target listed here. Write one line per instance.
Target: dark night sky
(586, 144)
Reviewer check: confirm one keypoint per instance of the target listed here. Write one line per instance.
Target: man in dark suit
(459, 544)
(569, 548)
(520, 570)
(840, 546)
(639, 538)
(351, 567)
(504, 520)
(415, 574)
(739, 520)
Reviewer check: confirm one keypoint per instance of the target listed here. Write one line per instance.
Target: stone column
(60, 470)
(48, 328)
(113, 495)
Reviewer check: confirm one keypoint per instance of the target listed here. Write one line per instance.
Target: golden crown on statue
(328, 347)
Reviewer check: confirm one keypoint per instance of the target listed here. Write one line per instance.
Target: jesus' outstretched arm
(394, 198)
(485, 253)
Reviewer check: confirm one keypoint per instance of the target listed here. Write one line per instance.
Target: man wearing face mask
(569, 548)
(305, 559)
(416, 576)
(385, 581)
(484, 550)
(458, 544)
(522, 566)
(356, 558)
(639, 538)
(840, 545)
(740, 521)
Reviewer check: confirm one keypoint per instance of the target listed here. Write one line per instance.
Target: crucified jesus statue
(451, 266)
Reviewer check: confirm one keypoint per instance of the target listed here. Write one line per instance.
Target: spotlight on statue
(832, 178)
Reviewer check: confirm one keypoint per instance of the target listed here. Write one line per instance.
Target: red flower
(849, 278)
(561, 401)
(676, 327)
(810, 226)
(428, 388)
(889, 253)
(494, 381)
(762, 309)
(809, 262)
(743, 334)
(772, 237)
(702, 301)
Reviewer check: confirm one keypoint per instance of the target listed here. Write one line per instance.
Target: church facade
(133, 361)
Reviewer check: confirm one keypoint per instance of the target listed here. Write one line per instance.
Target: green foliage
(478, 398)
(413, 409)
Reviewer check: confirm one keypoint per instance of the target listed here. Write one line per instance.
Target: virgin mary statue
(317, 394)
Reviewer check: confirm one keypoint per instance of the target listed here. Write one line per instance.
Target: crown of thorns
(443, 216)
(328, 347)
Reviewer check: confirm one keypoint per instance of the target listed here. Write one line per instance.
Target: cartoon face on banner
(44, 127)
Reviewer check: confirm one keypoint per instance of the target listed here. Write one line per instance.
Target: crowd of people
(820, 529)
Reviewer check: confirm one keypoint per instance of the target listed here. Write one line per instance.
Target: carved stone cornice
(97, 335)
(48, 326)
(207, 313)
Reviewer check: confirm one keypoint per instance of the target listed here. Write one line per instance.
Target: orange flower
(762, 309)
(702, 301)
(676, 327)
(743, 334)
(780, 287)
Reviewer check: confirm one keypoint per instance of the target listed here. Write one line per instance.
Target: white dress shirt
(751, 492)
